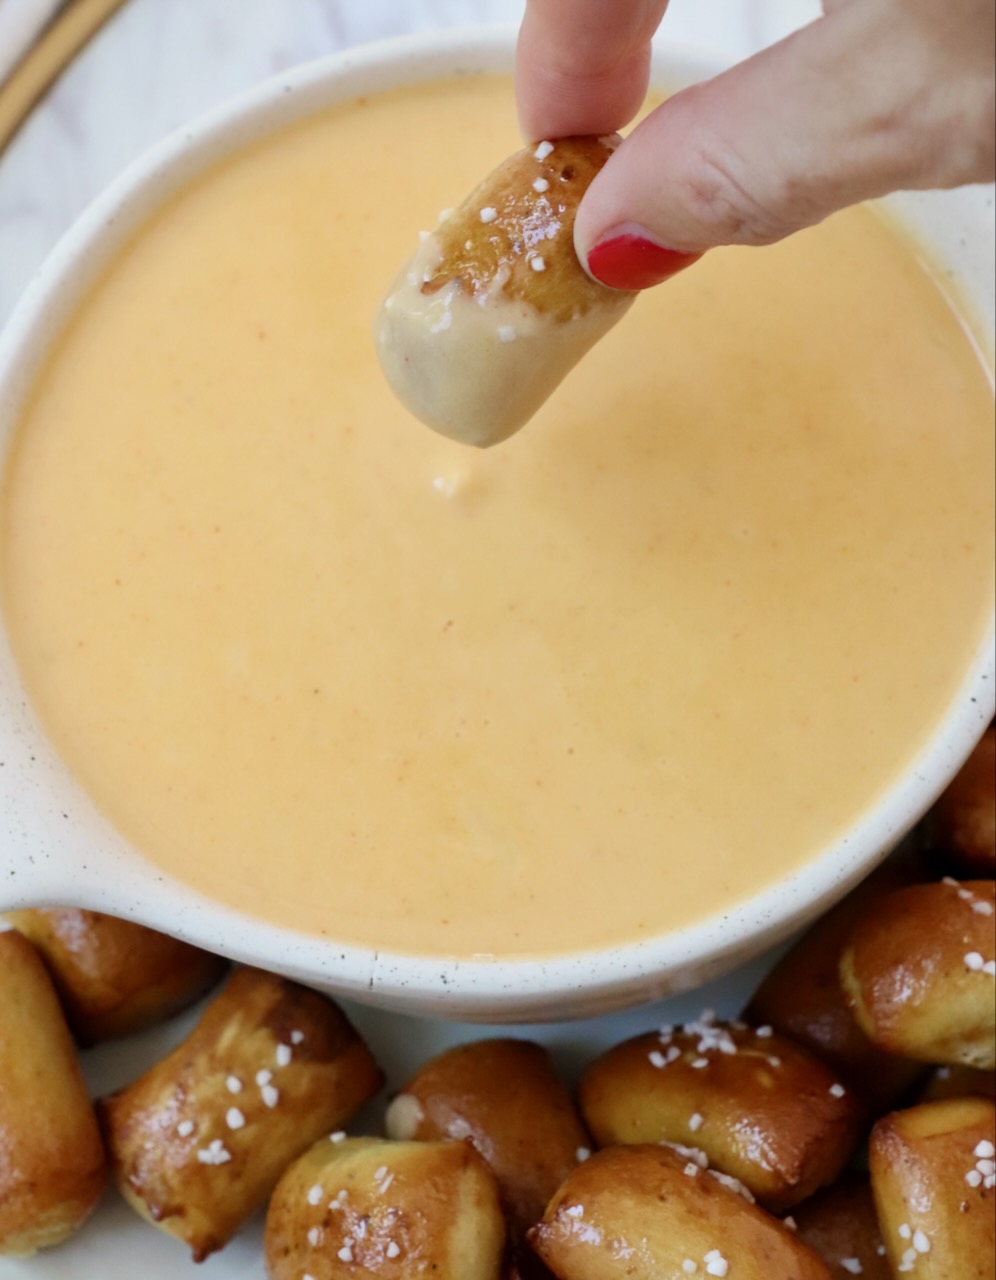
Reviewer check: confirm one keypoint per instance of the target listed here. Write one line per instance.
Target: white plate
(115, 1239)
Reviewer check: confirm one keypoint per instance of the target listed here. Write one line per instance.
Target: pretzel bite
(958, 1082)
(396, 1209)
(932, 1170)
(840, 1225)
(802, 997)
(504, 1096)
(198, 1143)
(920, 973)
(962, 827)
(755, 1105)
(495, 309)
(52, 1168)
(647, 1213)
(114, 977)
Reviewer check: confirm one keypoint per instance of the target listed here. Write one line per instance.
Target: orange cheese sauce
(601, 681)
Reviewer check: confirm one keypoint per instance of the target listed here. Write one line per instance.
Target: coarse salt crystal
(791, 1223)
(985, 1150)
(337, 1137)
(263, 1077)
(315, 1237)
(233, 1084)
(538, 263)
(582, 1154)
(544, 150)
(271, 1095)
(973, 1178)
(774, 1062)
(185, 1128)
(345, 1254)
(853, 1265)
(315, 1194)
(765, 1032)
(715, 1263)
(695, 1122)
(921, 1241)
(234, 1118)
(214, 1153)
(990, 968)
(982, 908)
(974, 961)
(689, 1267)
(837, 1090)
(284, 1055)
(393, 1249)
(489, 214)
(905, 1231)
(541, 185)
(657, 1059)
(699, 1063)
(574, 1211)
(297, 1037)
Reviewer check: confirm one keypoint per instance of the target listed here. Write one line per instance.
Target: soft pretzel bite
(760, 1108)
(505, 1097)
(198, 1143)
(52, 1167)
(962, 826)
(495, 309)
(647, 1213)
(841, 1226)
(114, 977)
(390, 1209)
(958, 1082)
(932, 1171)
(920, 973)
(802, 997)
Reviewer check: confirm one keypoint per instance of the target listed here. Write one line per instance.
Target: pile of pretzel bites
(845, 1126)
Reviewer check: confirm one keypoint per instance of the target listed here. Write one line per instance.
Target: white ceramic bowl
(55, 848)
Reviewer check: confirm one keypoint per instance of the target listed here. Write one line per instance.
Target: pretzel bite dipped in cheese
(395, 1210)
(802, 997)
(495, 309)
(962, 826)
(920, 973)
(114, 977)
(840, 1225)
(750, 1103)
(505, 1097)
(198, 1143)
(52, 1167)
(647, 1213)
(933, 1171)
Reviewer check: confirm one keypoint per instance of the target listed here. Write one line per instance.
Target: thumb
(860, 103)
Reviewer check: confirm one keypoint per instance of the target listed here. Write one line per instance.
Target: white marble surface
(160, 62)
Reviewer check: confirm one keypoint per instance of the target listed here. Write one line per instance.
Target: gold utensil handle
(66, 35)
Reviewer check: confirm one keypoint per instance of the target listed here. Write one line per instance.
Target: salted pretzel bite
(802, 996)
(391, 1209)
(198, 1143)
(920, 973)
(114, 977)
(933, 1171)
(840, 1225)
(962, 826)
(505, 1097)
(646, 1213)
(52, 1167)
(761, 1109)
(495, 309)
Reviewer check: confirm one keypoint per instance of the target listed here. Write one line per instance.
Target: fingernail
(631, 261)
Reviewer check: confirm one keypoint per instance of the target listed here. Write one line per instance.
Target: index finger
(583, 66)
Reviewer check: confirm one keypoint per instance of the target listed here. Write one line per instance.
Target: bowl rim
(595, 979)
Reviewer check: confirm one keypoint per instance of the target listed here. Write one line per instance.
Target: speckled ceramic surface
(63, 850)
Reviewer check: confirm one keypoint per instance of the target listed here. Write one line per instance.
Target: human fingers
(583, 66)
(871, 98)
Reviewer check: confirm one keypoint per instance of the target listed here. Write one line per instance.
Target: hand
(875, 96)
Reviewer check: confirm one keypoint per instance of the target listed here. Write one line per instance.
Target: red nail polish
(632, 262)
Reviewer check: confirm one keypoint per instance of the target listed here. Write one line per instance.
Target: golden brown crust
(802, 996)
(841, 1226)
(198, 1142)
(113, 977)
(931, 1170)
(394, 1210)
(962, 826)
(641, 1212)
(52, 1167)
(920, 973)
(527, 224)
(505, 1097)
(763, 1111)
